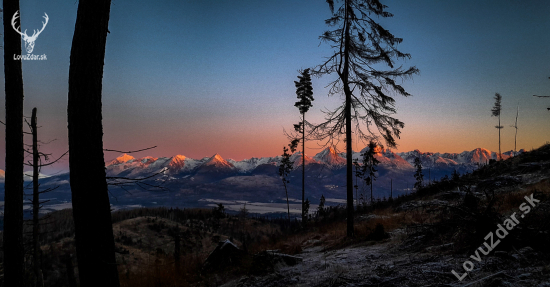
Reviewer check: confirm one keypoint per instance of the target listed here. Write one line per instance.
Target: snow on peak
(177, 162)
(478, 155)
(218, 161)
(121, 159)
(147, 160)
(247, 165)
(297, 159)
(330, 157)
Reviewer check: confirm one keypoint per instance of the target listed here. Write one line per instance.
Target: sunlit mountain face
(181, 181)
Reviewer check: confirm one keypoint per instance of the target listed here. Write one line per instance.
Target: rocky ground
(389, 264)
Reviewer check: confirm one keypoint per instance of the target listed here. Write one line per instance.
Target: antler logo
(29, 41)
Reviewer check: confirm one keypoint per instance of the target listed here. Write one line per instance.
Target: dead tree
(515, 126)
(13, 184)
(35, 203)
(94, 240)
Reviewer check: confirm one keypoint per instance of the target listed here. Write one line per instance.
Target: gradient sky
(204, 77)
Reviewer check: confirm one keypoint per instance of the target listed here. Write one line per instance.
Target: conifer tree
(358, 174)
(495, 112)
(285, 168)
(455, 176)
(321, 208)
(361, 48)
(369, 167)
(418, 173)
(304, 92)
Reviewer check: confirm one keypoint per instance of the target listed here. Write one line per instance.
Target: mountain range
(180, 181)
(126, 165)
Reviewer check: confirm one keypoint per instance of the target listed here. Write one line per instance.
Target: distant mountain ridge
(329, 158)
(188, 182)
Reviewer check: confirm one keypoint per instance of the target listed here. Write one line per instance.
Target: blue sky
(204, 77)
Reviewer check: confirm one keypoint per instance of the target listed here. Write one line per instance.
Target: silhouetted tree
(13, 184)
(35, 202)
(495, 112)
(95, 248)
(455, 176)
(304, 92)
(369, 166)
(285, 168)
(243, 212)
(321, 208)
(515, 126)
(36, 165)
(358, 174)
(219, 211)
(361, 46)
(418, 173)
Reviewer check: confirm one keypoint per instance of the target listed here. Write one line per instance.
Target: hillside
(413, 240)
(445, 227)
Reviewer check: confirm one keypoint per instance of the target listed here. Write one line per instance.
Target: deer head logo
(29, 41)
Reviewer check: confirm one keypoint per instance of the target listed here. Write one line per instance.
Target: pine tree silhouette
(361, 46)
(304, 92)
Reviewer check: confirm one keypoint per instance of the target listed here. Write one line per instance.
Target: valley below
(181, 182)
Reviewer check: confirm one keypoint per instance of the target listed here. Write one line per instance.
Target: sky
(203, 77)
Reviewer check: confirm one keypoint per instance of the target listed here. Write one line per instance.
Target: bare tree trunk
(303, 166)
(94, 240)
(35, 202)
(349, 161)
(356, 189)
(13, 185)
(287, 204)
(516, 126)
(499, 153)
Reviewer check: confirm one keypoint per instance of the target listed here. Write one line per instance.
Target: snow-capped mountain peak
(297, 159)
(403, 161)
(218, 161)
(330, 157)
(121, 159)
(177, 162)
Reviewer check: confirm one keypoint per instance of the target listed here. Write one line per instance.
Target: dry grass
(509, 202)
(162, 272)
(333, 235)
(330, 235)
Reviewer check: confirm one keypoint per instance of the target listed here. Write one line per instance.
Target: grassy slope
(437, 218)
